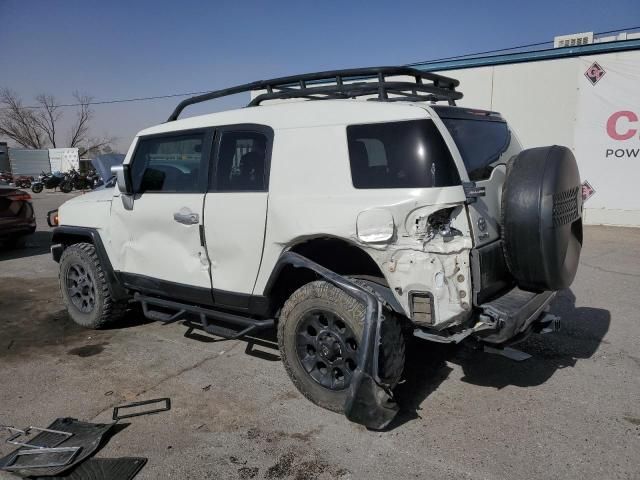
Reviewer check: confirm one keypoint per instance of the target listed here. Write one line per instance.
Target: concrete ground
(572, 411)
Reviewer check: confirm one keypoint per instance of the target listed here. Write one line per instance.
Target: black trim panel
(240, 302)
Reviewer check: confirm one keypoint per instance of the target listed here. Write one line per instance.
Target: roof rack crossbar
(347, 84)
(359, 90)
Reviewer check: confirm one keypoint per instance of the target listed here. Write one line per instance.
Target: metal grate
(565, 207)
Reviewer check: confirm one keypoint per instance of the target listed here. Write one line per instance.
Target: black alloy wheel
(327, 349)
(81, 288)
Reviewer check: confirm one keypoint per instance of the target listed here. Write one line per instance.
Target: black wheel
(36, 188)
(66, 187)
(319, 333)
(85, 289)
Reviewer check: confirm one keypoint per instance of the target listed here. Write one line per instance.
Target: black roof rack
(350, 83)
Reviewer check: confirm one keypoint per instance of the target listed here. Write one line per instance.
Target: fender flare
(369, 402)
(66, 235)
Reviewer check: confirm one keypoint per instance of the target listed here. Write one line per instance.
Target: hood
(97, 195)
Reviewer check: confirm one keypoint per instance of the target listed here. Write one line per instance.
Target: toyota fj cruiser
(348, 209)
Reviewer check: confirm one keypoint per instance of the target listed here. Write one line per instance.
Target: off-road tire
(105, 309)
(325, 296)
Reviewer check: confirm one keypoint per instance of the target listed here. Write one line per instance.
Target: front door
(158, 243)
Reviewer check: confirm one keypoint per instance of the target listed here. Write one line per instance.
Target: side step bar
(178, 310)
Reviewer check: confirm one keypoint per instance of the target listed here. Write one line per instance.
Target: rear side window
(168, 164)
(409, 154)
(242, 160)
(481, 143)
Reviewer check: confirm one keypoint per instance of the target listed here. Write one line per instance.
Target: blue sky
(118, 49)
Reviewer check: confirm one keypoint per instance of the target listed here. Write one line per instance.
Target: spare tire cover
(542, 218)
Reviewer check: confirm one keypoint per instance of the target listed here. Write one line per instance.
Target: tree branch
(83, 116)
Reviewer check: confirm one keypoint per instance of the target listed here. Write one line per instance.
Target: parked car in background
(17, 219)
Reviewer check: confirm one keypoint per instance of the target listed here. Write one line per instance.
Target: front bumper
(514, 313)
(17, 228)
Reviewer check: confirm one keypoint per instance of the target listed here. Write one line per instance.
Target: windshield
(480, 142)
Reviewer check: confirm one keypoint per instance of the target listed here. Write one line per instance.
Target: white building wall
(552, 102)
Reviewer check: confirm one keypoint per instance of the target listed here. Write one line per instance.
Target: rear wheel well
(334, 254)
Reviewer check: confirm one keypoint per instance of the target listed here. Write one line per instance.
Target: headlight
(52, 218)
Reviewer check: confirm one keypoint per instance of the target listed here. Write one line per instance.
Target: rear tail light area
(19, 197)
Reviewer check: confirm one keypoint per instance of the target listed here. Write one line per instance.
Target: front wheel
(319, 334)
(36, 187)
(66, 187)
(85, 289)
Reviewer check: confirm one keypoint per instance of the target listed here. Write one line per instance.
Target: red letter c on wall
(613, 121)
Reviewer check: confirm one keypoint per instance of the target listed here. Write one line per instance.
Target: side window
(408, 154)
(480, 142)
(168, 164)
(242, 162)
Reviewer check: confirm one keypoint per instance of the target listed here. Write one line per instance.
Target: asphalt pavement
(572, 411)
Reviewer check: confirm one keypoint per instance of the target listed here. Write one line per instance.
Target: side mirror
(123, 178)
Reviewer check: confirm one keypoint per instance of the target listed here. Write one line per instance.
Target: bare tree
(48, 116)
(80, 128)
(19, 123)
(38, 127)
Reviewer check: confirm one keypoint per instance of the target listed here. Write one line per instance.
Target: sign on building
(607, 137)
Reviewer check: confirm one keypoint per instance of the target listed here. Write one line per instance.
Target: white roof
(300, 114)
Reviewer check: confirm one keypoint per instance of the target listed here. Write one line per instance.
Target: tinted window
(408, 154)
(480, 142)
(241, 161)
(168, 164)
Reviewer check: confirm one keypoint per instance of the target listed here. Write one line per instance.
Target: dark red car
(17, 219)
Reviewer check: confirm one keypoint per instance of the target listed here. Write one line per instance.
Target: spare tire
(542, 218)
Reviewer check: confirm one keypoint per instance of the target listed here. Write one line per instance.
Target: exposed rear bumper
(514, 312)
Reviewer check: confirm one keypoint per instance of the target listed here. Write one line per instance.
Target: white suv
(348, 209)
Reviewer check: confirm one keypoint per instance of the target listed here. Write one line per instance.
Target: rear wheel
(85, 289)
(319, 334)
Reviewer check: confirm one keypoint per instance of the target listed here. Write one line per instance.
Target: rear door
(158, 241)
(235, 210)
(486, 144)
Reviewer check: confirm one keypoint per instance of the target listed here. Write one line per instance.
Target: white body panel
(148, 241)
(234, 225)
(310, 195)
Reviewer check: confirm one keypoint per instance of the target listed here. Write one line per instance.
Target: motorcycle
(79, 181)
(23, 181)
(52, 181)
(94, 178)
(6, 177)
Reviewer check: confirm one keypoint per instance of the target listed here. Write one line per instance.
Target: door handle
(186, 217)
